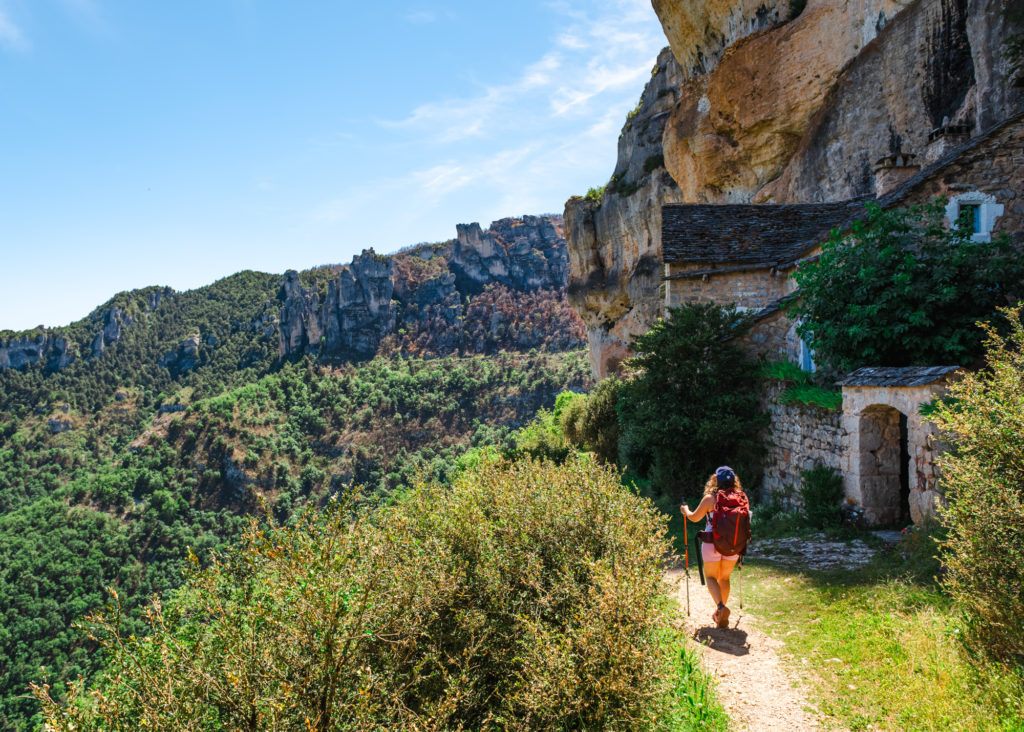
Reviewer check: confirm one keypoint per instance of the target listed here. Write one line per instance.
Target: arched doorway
(884, 457)
(888, 462)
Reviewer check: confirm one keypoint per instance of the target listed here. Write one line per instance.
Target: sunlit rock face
(356, 314)
(737, 126)
(615, 242)
(698, 31)
(938, 62)
(434, 299)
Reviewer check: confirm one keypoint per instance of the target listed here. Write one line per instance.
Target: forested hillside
(163, 420)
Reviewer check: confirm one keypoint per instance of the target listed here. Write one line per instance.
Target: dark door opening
(904, 470)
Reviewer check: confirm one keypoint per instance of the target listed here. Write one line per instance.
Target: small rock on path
(753, 686)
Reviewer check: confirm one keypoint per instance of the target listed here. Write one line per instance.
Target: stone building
(745, 254)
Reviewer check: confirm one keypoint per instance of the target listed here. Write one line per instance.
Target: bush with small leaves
(983, 476)
(524, 596)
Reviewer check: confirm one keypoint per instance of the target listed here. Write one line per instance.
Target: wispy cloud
(11, 36)
(427, 16)
(603, 50)
(88, 14)
(525, 144)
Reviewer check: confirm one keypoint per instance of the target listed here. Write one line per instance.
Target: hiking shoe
(723, 616)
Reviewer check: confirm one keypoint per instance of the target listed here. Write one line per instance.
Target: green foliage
(812, 395)
(654, 162)
(592, 423)
(692, 404)
(802, 388)
(595, 194)
(523, 596)
(912, 290)
(983, 476)
(821, 492)
(618, 185)
(117, 500)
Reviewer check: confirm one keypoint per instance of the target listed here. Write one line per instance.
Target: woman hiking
(722, 491)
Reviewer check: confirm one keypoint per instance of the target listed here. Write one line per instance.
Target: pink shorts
(710, 554)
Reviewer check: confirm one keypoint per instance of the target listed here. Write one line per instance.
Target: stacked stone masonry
(752, 289)
(798, 438)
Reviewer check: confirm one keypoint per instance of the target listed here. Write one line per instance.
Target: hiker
(723, 491)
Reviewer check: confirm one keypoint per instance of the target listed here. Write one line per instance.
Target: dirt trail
(753, 685)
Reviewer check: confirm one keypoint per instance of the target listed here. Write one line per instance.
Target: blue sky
(152, 142)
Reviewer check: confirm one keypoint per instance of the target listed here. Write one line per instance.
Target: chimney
(893, 169)
(944, 138)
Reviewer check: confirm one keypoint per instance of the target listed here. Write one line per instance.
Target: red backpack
(730, 527)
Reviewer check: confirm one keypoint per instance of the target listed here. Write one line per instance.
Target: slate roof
(897, 376)
(762, 233)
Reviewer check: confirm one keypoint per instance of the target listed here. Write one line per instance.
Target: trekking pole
(739, 567)
(686, 553)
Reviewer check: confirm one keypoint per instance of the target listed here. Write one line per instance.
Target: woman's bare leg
(711, 576)
(724, 574)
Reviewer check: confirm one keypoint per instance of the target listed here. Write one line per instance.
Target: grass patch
(690, 703)
(879, 645)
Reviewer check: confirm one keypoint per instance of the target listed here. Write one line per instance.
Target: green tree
(903, 289)
(692, 404)
(983, 476)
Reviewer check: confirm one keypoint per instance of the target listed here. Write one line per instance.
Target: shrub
(653, 162)
(594, 194)
(912, 290)
(821, 491)
(692, 402)
(523, 596)
(983, 476)
(593, 423)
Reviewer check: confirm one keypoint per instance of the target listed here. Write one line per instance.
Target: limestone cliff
(482, 291)
(356, 314)
(615, 241)
(771, 109)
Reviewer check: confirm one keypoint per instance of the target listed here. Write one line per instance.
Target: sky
(175, 143)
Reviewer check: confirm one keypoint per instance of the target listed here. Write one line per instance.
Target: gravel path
(753, 685)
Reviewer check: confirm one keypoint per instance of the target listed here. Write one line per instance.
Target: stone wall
(753, 288)
(798, 438)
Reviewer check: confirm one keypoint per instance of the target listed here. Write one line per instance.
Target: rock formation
(19, 352)
(433, 299)
(358, 312)
(769, 109)
(615, 241)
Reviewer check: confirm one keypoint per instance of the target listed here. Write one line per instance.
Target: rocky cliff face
(768, 109)
(356, 314)
(56, 348)
(53, 350)
(615, 241)
(486, 289)
(939, 60)
(523, 254)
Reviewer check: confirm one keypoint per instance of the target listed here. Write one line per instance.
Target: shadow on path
(724, 640)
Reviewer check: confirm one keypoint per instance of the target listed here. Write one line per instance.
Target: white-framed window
(983, 212)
